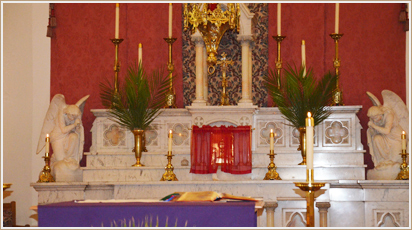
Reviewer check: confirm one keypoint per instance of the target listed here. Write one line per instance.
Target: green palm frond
(300, 93)
(141, 97)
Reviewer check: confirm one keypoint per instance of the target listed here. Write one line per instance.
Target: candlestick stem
(170, 96)
(169, 175)
(278, 62)
(310, 187)
(337, 96)
(116, 68)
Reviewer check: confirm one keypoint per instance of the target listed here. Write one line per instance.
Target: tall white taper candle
(403, 137)
(47, 145)
(140, 54)
(170, 19)
(116, 29)
(336, 18)
(170, 140)
(279, 19)
(304, 56)
(309, 141)
(272, 140)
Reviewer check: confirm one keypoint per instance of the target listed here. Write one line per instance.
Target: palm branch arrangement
(301, 93)
(141, 98)
(137, 103)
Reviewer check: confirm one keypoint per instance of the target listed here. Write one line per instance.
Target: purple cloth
(197, 214)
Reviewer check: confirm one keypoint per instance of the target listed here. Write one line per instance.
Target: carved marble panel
(294, 217)
(152, 135)
(181, 134)
(337, 132)
(199, 121)
(388, 218)
(264, 128)
(107, 135)
(113, 135)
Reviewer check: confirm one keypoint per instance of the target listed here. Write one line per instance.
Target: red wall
(372, 50)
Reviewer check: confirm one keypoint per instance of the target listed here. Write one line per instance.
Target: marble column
(250, 74)
(270, 207)
(323, 213)
(205, 77)
(245, 41)
(199, 101)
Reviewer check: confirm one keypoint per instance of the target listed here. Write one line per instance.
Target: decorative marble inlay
(180, 134)
(244, 121)
(265, 133)
(336, 132)
(114, 135)
(199, 121)
(388, 218)
(151, 135)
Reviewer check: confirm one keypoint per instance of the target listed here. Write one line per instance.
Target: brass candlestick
(272, 174)
(45, 174)
(279, 67)
(224, 63)
(404, 173)
(170, 96)
(337, 96)
(169, 175)
(310, 187)
(116, 68)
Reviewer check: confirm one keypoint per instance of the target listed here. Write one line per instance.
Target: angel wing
(393, 101)
(374, 99)
(57, 103)
(81, 103)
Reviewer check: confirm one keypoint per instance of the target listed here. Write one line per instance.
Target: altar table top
(197, 214)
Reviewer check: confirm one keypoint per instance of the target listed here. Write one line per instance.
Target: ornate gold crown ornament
(212, 24)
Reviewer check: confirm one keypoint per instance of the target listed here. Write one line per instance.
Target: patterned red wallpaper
(372, 50)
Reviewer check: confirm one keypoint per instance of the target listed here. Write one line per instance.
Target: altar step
(286, 172)
(117, 167)
(159, 159)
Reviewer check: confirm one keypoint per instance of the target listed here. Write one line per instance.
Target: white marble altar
(338, 161)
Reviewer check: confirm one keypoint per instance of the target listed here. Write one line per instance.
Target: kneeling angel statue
(385, 127)
(64, 125)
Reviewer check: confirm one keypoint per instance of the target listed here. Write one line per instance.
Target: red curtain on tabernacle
(229, 147)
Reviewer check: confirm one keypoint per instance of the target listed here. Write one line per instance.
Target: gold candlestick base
(272, 174)
(45, 174)
(404, 173)
(169, 175)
